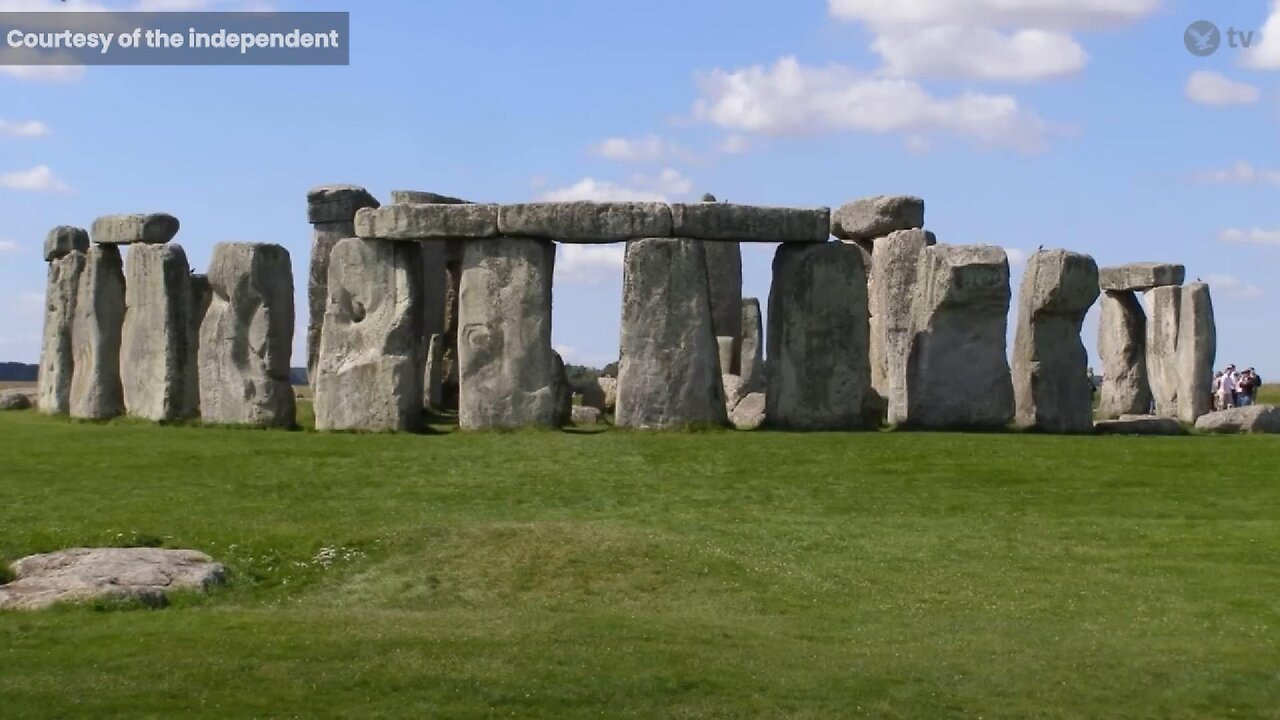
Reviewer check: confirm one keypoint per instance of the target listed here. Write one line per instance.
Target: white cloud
(7, 246)
(668, 184)
(975, 52)
(643, 149)
(1250, 236)
(1234, 287)
(1241, 173)
(37, 179)
(794, 99)
(44, 73)
(1265, 53)
(589, 264)
(1210, 88)
(25, 129)
(733, 144)
(1057, 14)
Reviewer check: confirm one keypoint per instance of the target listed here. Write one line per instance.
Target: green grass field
(616, 574)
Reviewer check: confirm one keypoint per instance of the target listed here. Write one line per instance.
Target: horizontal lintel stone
(750, 223)
(1140, 276)
(427, 221)
(149, 229)
(586, 222)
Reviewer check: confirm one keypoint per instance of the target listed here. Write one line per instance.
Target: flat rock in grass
(1140, 276)
(79, 574)
(1264, 419)
(15, 400)
(428, 221)
(750, 223)
(875, 217)
(585, 415)
(63, 240)
(337, 203)
(151, 229)
(749, 412)
(586, 222)
(1140, 425)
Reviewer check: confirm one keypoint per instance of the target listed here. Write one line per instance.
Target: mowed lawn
(685, 575)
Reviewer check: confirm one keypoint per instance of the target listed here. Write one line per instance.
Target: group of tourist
(1235, 389)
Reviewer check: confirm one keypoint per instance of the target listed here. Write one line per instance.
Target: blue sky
(1082, 124)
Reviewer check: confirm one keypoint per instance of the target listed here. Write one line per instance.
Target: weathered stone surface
(428, 222)
(891, 288)
(1197, 350)
(748, 414)
(246, 337)
(751, 349)
(369, 375)
(454, 252)
(586, 221)
(1252, 419)
(507, 370)
(1122, 343)
(337, 203)
(1051, 385)
(57, 361)
(957, 374)
(601, 394)
(563, 391)
(610, 388)
(724, 278)
(15, 400)
(750, 223)
(585, 415)
(150, 229)
(1140, 425)
(201, 299)
(144, 574)
(819, 374)
(432, 373)
(331, 209)
(96, 333)
(669, 375)
(726, 348)
(420, 197)
(1140, 276)
(875, 217)
(157, 368)
(734, 390)
(64, 240)
(1164, 313)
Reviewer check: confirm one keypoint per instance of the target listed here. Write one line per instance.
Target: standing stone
(891, 289)
(508, 375)
(431, 375)
(1122, 343)
(724, 278)
(819, 374)
(246, 338)
(96, 390)
(57, 361)
(331, 210)
(1164, 310)
(751, 355)
(1051, 384)
(957, 373)
(564, 392)
(435, 258)
(725, 346)
(156, 367)
(1197, 350)
(669, 375)
(369, 375)
(64, 240)
(201, 298)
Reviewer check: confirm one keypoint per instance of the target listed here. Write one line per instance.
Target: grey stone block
(1122, 343)
(868, 219)
(57, 359)
(586, 222)
(750, 223)
(337, 203)
(64, 240)
(1140, 276)
(157, 367)
(152, 229)
(427, 222)
(1197, 350)
(891, 288)
(1164, 313)
(96, 389)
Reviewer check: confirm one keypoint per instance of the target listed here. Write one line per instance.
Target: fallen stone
(1164, 312)
(1197, 350)
(508, 377)
(246, 337)
(15, 400)
(370, 370)
(584, 415)
(750, 223)
(1262, 419)
(432, 373)
(153, 229)
(891, 288)
(96, 336)
(669, 374)
(157, 369)
(734, 390)
(1122, 343)
(147, 575)
(724, 279)
(875, 217)
(1140, 276)
(1051, 385)
(586, 222)
(427, 222)
(819, 374)
(337, 203)
(57, 360)
(1140, 425)
(749, 412)
(958, 375)
(64, 240)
